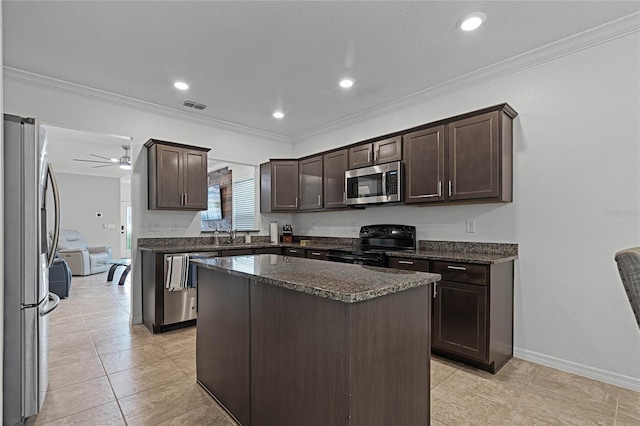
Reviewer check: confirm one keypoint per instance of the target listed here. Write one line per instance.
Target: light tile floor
(102, 371)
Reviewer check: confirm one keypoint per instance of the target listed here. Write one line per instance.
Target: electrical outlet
(174, 226)
(354, 227)
(471, 226)
(154, 227)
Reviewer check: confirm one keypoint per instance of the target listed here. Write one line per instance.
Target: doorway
(94, 175)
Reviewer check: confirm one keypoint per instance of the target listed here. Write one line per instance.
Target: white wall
(576, 159)
(67, 105)
(82, 197)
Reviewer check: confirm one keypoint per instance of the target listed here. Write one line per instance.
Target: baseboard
(136, 320)
(605, 376)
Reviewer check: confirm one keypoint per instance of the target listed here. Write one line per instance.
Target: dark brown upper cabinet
(480, 157)
(383, 151)
(279, 186)
(177, 176)
(335, 164)
(424, 165)
(469, 159)
(310, 183)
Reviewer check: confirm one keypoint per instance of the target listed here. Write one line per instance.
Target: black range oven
(375, 240)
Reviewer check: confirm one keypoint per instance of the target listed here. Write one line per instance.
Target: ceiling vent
(192, 104)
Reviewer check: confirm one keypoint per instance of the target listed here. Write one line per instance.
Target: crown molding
(53, 84)
(601, 34)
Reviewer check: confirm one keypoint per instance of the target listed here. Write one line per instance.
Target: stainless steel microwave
(374, 184)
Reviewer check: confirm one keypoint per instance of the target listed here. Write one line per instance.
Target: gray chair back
(629, 267)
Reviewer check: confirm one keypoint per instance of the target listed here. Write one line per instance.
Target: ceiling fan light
(125, 166)
(114, 160)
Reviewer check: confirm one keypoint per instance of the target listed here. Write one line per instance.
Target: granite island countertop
(343, 282)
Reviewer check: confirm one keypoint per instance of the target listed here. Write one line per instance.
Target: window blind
(243, 204)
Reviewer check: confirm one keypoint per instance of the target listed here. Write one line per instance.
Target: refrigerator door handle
(56, 302)
(56, 232)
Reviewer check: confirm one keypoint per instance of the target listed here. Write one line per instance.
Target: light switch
(471, 226)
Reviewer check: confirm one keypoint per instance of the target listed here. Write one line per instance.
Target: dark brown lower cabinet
(460, 319)
(222, 340)
(472, 310)
(275, 356)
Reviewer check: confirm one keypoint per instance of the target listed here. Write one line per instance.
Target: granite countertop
(188, 248)
(455, 256)
(342, 281)
(449, 251)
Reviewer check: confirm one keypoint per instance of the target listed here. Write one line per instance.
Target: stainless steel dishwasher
(182, 305)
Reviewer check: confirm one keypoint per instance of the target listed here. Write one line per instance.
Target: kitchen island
(293, 341)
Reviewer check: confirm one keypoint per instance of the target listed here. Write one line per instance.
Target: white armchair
(82, 260)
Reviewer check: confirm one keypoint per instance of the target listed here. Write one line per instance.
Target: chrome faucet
(232, 235)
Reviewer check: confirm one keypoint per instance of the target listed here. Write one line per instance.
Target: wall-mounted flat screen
(214, 207)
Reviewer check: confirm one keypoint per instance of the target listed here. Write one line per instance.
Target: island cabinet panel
(424, 165)
(295, 358)
(335, 164)
(299, 360)
(310, 183)
(222, 344)
(378, 368)
(177, 176)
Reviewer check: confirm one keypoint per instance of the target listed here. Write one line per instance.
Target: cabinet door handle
(405, 262)
(315, 253)
(319, 200)
(344, 198)
(186, 199)
(293, 251)
(459, 268)
(450, 192)
(296, 202)
(182, 198)
(439, 188)
(435, 290)
(376, 155)
(368, 156)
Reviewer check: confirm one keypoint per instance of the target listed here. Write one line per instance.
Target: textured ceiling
(245, 59)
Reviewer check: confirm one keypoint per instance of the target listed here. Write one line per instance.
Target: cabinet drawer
(238, 252)
(288, 251)
(268, 250)
(317, 254)
(421, 265)
(461, 272)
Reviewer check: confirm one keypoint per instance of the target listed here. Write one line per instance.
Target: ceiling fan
(123, 162)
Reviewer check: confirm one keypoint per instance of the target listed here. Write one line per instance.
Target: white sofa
(82, 260)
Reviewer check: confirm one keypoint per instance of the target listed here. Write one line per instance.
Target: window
(243, 204)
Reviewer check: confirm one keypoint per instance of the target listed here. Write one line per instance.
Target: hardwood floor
(102, 371)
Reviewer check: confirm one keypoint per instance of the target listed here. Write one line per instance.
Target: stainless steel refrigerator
(28, 254)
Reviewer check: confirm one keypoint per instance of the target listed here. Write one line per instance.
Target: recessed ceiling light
(345, 83)
(180, 85)
(278, 114)
(472, 21)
